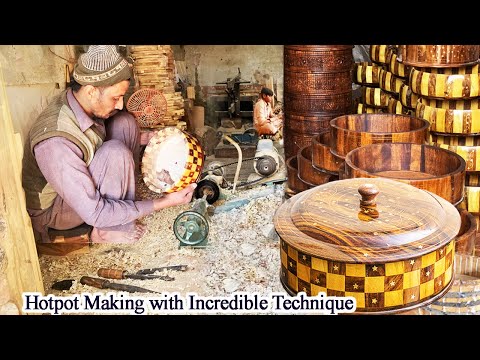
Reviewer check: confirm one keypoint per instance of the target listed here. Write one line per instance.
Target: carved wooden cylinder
(317, 86)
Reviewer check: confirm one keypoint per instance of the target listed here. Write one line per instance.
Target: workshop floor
(241, 254)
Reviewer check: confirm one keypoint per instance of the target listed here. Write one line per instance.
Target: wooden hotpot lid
(333, 221)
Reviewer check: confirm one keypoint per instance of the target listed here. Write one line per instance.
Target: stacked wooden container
(446, 81)
(154, 68)
(317, 88)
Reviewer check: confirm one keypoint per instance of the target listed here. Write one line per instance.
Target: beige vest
(57, 119)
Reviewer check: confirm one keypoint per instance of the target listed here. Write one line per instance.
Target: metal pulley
(191, 226)
(266, 166)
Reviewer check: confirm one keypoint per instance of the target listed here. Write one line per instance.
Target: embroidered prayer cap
(101, 65)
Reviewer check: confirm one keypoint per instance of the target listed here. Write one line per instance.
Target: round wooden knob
(368, 193)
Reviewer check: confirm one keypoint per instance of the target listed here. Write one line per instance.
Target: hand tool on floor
(105, 284)
(170, 267)
(63, 284)
(124, 274)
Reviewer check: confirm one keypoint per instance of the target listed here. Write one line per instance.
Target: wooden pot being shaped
(385, 243)
(172, 160)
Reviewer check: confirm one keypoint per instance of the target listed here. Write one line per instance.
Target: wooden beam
(23, 268)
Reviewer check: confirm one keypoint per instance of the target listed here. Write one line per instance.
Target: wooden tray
(331, 242)
(423, 166)
(355, 130)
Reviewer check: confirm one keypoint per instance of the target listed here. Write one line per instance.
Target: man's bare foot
(125, 234)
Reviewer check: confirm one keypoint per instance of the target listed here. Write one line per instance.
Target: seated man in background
(265, 121)
(79, 158)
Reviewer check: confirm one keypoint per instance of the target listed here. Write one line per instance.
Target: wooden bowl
(390, 82)
(375, 97)
(465, 239)
(172, 160)
(468, 147)
(395, 66)
(407, 97)
(307, 173)
(449, 84)
(355, 130)
(471, 201)
(439, 55)
(392, 250)
(423, 166)
(365, 73)
(322, 157)
(463, 298)
(450, 117)
(293, 181)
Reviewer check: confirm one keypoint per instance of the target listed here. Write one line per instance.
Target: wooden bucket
(463, 298)
(423, 166)
(355, 130)
(317, 87)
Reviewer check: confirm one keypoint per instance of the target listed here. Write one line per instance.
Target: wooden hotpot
(391, 250)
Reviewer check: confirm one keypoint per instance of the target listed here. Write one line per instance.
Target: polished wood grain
(462, 298)
(396, 107)
(365, 109)
(395, 66)
(365, 73)
(324, 222)
(378, 53)
(355, 130)
(322, 157)
(465, 239)
(293, 142)
(390, 82)
(468, 147)
(472, 178)
(375, 97)
(450, 117)
(314, 124)
(423, 166)
(309, 174)
(439, 55)
(294, 183)
(407, 97)
(449, 84)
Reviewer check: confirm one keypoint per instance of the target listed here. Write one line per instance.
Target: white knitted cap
(101, 65)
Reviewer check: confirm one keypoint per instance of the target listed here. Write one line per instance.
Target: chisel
(105, 284)
(171, 267)
(124, 274)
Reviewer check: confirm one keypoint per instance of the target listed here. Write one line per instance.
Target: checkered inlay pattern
(193, 165)
(376, 287)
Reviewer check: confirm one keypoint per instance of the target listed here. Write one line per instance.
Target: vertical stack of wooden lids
(446, 81)
(154, 68)
(317, 88)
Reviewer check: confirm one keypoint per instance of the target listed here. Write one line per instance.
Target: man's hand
(181, 197)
